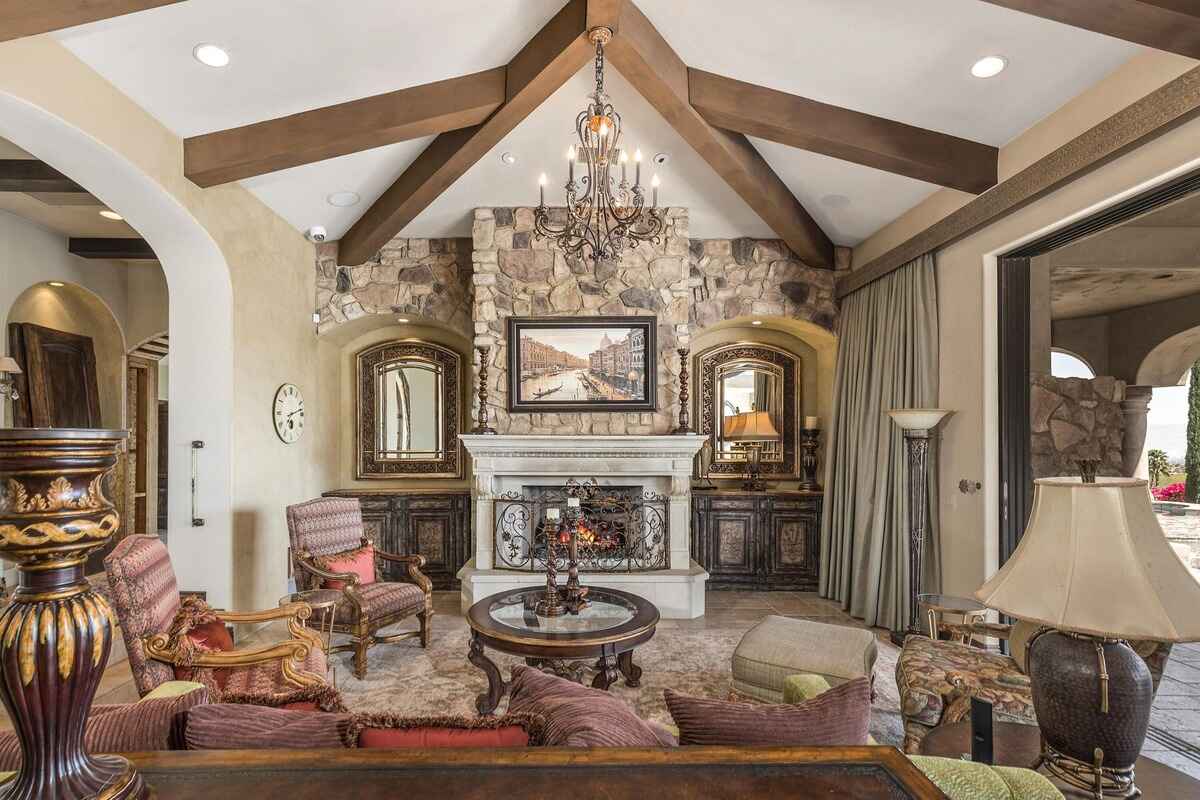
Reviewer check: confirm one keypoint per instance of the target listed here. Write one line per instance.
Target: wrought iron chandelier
(603, 215)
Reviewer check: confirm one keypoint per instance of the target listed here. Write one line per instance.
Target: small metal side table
(324, 603)
(937, 604)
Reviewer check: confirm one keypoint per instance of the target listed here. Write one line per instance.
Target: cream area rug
(403, 678)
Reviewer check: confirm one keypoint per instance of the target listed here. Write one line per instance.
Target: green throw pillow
(966, 780)
(804, 686)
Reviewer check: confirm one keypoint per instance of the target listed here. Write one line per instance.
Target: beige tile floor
(1176, 708)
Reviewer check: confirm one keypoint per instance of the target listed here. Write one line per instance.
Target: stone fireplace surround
(663, 464)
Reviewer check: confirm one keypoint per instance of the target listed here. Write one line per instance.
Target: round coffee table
(1015, 745)
(601, 636)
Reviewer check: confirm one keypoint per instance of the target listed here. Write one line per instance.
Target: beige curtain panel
(887, 358)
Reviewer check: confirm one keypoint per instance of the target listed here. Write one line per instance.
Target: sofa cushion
(360, 561)
(929, 672)
(149, 724)
(227, 726)
(781, 646)
(389, 731)
(966, 780)
(577, 716)
(840, 716)
(383, 599)
(310, 698)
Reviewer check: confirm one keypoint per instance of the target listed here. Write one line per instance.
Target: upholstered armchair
(145, 596)
(329, 531)
(937, 678)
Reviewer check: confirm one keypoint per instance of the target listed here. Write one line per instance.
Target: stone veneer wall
(428, 278)
(518, 275)
(738, 277)
(1074, 418)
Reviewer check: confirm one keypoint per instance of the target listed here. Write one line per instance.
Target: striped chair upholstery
(145, 596)
(323, 527)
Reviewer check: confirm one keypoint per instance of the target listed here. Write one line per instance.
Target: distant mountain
(1172, 439)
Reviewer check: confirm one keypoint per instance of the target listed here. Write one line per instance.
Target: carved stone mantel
(662, 463)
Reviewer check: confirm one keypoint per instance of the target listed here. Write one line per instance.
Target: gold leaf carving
(25, 648)
(14, 625)
(96, 615)
(48, 533)
(60, 496)
(66, 643)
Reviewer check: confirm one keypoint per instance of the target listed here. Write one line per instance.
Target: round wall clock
(289, 413)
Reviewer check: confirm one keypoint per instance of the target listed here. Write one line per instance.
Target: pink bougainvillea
(1172, 492)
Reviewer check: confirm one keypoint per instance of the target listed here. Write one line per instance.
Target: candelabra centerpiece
(604, 215)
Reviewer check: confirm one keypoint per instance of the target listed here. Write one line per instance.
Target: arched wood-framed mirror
(408, 411)
(749, 396)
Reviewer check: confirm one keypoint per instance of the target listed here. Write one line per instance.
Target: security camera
(316, 234)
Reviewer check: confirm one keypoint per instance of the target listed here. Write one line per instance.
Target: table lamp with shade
(1095, 569)
(918, 425)
(751, 429)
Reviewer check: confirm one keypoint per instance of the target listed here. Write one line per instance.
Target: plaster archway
(1167, 364)
(201, 391)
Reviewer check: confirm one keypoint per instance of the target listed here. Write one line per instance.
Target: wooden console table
(435, 523)
(713, 773)
(758, 540)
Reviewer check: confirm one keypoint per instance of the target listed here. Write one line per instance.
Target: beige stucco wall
(1132, 81)
(271, 271)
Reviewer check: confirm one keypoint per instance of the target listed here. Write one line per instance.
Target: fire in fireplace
(621, 528)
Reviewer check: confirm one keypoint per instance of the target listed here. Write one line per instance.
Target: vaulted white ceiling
(908, 61)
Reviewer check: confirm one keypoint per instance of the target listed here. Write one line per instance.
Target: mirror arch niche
(408, 411)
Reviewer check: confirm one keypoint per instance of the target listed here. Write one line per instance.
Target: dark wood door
(729, 537)
(59, 381)
(792, 540)
(1016, 471)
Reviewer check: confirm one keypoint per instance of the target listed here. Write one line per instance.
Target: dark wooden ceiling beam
(648, 62)
(1170, 25)
(31, 175)
(548, 60)
(842, 133)
(118, 249)
(229, 155)
(19, 18)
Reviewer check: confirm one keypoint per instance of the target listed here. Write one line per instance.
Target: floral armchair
(147, 602)
(330, 530)
(937, 679)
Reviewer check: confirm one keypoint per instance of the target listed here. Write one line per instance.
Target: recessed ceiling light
(56, 284)
(756, 322)
(989, 66)
(402, 319)
(211, 55)
(508, 158)
(343, 199)
(111, 215)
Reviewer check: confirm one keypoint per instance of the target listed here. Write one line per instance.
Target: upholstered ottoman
(781, 646)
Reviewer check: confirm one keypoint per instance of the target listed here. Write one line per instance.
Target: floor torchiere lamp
(1095, 568)
(918, 425)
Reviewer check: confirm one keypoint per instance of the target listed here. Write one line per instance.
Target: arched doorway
(201, 333)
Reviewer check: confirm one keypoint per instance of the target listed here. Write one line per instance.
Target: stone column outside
(1134, 408)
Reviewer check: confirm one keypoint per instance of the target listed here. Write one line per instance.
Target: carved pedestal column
(56, 633)
(916, 444)
(684, 426)
(481, 424)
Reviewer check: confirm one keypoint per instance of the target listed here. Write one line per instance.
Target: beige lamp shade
(917, 419)
(750, 426)
(9, 365)
(1094, 560)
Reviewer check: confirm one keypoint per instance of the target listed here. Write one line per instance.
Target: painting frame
(647, 364)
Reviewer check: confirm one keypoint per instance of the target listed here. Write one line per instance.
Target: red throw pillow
(208, 637)
(385, 731)
(361, 562)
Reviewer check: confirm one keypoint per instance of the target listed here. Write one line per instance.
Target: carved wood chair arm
(159, 648)
(413, 566)
(298, 610)
(305, 562)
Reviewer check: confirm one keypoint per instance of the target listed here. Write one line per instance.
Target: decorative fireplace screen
(622, 528)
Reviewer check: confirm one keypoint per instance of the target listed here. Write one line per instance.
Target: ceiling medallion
(602, 216)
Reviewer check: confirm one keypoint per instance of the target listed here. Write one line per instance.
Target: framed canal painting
(581, 363)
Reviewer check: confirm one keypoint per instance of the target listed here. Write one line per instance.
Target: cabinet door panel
(793, 539)
(732, 545)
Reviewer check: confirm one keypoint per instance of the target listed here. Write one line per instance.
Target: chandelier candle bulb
(624, 159)
(542, 189)
(654, 183)
(571, 164)
(637, 168)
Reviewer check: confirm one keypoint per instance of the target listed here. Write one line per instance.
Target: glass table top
(606, 611)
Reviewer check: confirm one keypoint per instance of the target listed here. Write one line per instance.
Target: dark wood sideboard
(757, 540)
(435, 523)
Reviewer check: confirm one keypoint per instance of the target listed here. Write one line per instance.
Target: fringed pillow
(310, 698)
(197, 629)
(389, 731)
(360, 561)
